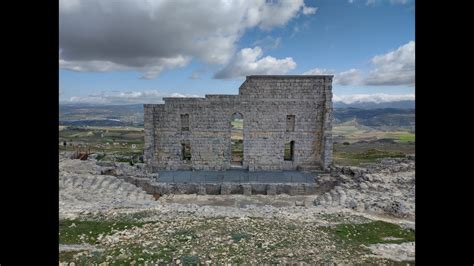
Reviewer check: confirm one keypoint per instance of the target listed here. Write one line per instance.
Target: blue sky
(105, 58)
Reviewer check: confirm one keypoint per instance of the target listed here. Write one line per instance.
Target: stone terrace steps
(236, 176)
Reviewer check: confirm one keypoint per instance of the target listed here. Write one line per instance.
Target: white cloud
(150, 70)
(349, 77)
(375, 98)
(395, 68)
(129, 97)
(268, 43)
(247, 62)
(155, 35)
(180, 95)
(319, 71)
(309, 10)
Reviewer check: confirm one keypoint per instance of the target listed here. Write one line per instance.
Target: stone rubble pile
(387, 187)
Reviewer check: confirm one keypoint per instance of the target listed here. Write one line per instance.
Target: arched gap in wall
(237, 139)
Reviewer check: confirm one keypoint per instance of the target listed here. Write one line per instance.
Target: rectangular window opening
(185, 152)
(290, 123)
(185, 122)
(289, 151)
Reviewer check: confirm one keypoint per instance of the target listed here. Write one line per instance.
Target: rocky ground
(387, 187)
(367, 216)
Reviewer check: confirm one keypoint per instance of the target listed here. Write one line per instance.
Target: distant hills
(374, 105)
(101, 115)
(384, 118)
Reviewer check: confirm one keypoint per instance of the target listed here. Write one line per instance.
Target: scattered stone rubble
(387, 187)
(396, 252)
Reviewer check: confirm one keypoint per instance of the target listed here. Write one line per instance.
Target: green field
(237, 129)
(354, 144)
(112, 143)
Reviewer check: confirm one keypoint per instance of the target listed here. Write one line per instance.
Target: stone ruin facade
(195, 133)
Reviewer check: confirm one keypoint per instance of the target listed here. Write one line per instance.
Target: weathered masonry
(286, 126)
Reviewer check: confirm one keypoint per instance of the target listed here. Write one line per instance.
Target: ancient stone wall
(268, 104)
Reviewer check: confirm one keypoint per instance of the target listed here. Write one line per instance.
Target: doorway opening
(237, 140)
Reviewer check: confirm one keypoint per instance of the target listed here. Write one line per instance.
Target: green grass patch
(239, 236)
(401, 136)
(190, 260)
(407, 138)
(371, 233)
(371, 155)
(183, 235)
(291, 227)
(100, 156)
(78, 231)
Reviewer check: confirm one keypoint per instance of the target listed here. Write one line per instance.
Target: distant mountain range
(383, 118)
(374, 105)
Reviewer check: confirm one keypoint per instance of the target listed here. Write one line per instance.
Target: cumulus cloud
(375, 98)
(156, 35)
(247, 62)
(150, 69)
(129, 97)
(349, 77)
(395, 68)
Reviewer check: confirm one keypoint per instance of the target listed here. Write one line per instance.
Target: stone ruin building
(287, 123)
